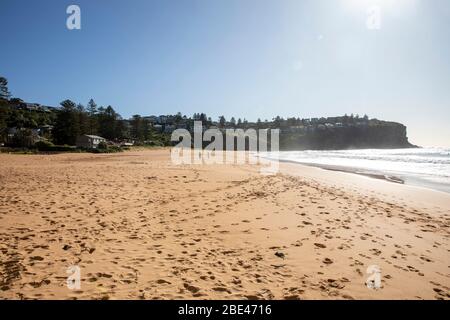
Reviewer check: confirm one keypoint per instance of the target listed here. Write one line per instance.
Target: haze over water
(427, 167)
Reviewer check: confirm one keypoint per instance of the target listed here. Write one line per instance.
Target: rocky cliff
(382, 135)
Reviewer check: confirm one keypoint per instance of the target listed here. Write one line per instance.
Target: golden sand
(140, 227)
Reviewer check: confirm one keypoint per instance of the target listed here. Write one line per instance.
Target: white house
(89, 141)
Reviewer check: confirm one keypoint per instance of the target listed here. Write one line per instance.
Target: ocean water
(426, 167)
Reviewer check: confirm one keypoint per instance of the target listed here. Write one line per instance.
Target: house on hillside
(161, 119)
(158, 127)
(168, 128)
(151, 119)
(89, 141)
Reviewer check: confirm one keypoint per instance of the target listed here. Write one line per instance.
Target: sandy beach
(140, 227)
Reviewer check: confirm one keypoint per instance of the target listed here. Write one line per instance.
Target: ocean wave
(425, 166)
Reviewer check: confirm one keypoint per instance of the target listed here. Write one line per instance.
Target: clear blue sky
(242, 58)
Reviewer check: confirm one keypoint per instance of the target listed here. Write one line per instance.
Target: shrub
(111, 149)
(22, 139)
(102, 145)
(63, 148)
(44, 145)
(50, 147)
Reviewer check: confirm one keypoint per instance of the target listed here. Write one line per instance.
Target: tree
(109, 124)
(146, 128)
(178, 117)
(277, 121)
(233, 121)
(121, 131)
(4, 113)
(137, 128)
(23, 138)
(15, 101)
(83, 120)
(4, 93)
(203, 118)
(222, 121)
(92, 112)
(66, 128)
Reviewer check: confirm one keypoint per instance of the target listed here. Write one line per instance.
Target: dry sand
(140, 227)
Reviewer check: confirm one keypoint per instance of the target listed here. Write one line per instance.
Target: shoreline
(406, 194)
(351, 170)
(397, 179)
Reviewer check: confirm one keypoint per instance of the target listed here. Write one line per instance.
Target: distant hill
(342, 132)
(375, 135)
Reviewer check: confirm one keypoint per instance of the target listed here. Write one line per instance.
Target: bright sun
(393, 6)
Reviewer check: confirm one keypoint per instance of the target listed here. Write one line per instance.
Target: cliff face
(380, 136)
(374, 135)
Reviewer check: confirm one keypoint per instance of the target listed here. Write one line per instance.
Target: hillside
(377, 135)
(63, 124)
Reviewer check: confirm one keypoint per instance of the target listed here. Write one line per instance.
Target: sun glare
(392, 6)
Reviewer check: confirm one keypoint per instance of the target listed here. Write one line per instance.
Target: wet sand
(367, 173)
(140, 227)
